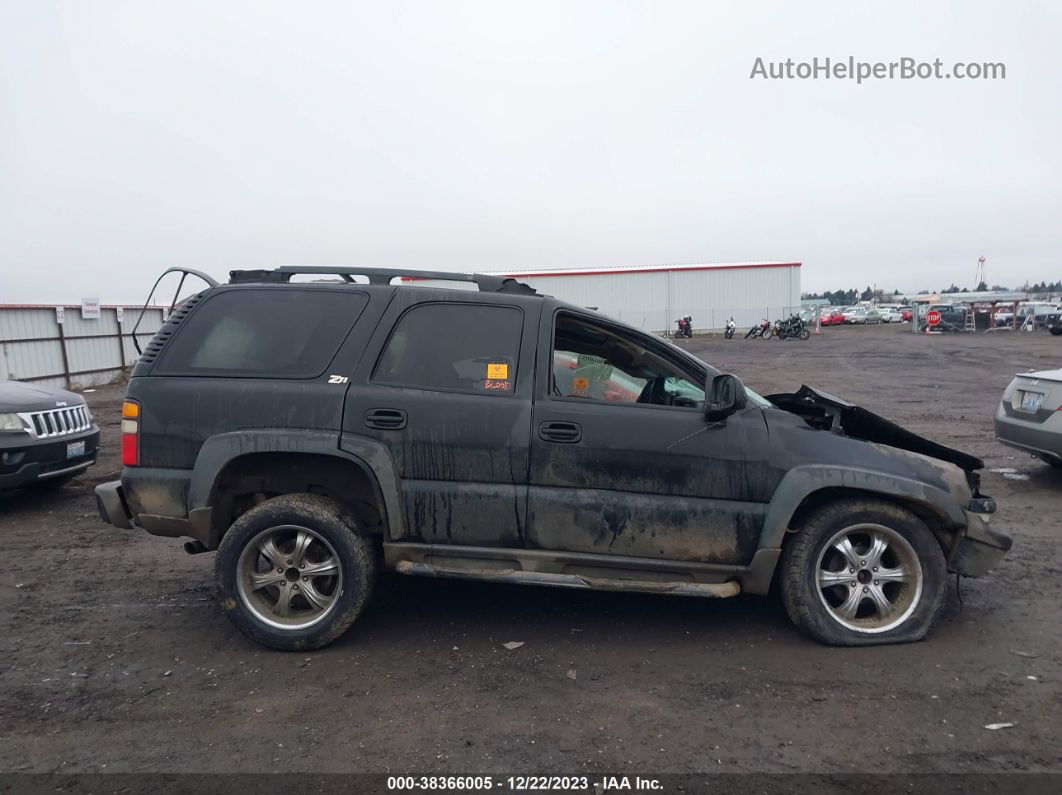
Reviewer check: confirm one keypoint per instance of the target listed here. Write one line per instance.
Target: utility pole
(980, 273)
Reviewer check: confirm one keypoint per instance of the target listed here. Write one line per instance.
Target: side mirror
(725, 395)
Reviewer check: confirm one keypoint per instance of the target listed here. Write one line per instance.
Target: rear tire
(294, 572)
(886, 585)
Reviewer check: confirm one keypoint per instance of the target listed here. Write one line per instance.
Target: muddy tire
(294, 572)
(862, 572)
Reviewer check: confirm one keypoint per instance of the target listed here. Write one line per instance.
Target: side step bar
(717, 590)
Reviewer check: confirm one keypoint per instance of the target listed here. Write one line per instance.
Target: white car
(890, 315)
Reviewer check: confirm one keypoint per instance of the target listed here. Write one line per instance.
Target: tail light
(130, 433)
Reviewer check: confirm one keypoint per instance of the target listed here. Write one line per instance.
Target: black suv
(1053, 323)
(47, 436)
(316, 433)
(952, 318)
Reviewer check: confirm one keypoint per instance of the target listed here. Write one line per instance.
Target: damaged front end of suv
(943, 484)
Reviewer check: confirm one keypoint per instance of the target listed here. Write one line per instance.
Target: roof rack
(486, 283)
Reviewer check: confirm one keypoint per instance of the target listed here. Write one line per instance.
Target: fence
(58, 346)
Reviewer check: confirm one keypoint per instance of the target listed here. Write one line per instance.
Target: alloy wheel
(289, 577)
(869, 578)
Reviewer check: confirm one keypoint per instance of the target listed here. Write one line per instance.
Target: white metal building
(652, 297)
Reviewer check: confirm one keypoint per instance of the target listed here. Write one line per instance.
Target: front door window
(591, 362)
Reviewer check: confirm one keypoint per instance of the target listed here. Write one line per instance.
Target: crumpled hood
(20, 396)
(829, 413)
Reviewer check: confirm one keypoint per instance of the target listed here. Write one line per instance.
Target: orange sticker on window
(580, 386)
(498, 372)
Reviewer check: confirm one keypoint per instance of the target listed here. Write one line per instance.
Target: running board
(720, 590)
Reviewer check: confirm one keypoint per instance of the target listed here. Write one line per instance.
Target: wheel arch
(235, 471)
(937, 522)
(806, 488)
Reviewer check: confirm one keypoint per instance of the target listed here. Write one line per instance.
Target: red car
(831, 317)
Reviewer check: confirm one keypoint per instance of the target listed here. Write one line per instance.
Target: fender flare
(370, 455)
(802, 481)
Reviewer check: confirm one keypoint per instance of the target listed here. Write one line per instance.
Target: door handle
(386, 419)
(561, 432)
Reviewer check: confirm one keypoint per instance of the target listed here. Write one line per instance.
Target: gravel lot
(116, 657)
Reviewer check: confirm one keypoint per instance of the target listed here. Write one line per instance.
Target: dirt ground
(116, 657)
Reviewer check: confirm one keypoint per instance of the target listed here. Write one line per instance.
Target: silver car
(1029, 416)
(861, 315)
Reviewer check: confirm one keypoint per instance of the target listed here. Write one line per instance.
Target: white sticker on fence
(60, 314)
(90, 308)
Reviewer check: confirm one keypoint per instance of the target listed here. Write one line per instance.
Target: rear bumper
(1041, 439)
(31, 461)
(155, 500)
(979, 549)
(111, 504)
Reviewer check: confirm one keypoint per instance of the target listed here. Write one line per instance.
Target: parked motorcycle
(758, 331)
(792, 327)
(685, 327)
(730, 327)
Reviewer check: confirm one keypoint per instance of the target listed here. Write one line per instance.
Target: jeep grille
(57, 422)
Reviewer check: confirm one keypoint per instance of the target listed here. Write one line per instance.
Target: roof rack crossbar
(486, 283)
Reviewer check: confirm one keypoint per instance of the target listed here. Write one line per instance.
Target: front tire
(862, 572)
(294, 572)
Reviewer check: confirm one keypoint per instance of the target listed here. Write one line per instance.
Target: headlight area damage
(979, 547)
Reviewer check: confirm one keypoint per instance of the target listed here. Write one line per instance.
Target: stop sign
(933, 317)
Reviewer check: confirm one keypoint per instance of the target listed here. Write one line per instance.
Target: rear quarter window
(275, 333)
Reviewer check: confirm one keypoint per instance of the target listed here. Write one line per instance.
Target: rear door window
(275, 333)
(454, 347)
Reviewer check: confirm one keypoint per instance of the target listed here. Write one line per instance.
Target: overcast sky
(492, 135)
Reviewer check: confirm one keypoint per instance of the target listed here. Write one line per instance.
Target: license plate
(75, 449)
(1030, 401)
